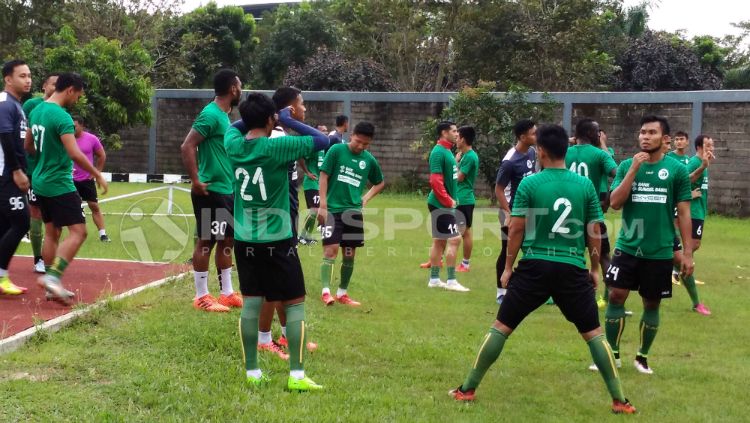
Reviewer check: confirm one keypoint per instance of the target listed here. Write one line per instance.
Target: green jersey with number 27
(53, 174)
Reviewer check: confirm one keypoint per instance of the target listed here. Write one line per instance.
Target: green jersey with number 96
(261, 194)
(557, 205)
(53, 174)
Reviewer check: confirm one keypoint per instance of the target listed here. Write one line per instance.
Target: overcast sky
(696, 17)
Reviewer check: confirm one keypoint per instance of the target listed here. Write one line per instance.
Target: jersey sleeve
(504, 173)
(622, 170)
(204, 124)
(436, 161)
(593, 208)
(376, 174)
(682, 184)
(467, 165)
(65, 124)
(608, 163)
(290, 148)
(694, 164)
(521, 200)
(329, 162)
(8, 117)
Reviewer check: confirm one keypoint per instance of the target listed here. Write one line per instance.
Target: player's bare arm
(322, 191)
(516, 229)
(189, 160)
(594, 244)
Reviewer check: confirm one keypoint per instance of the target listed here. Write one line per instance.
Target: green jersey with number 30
(53, 174)
(648, 213)
(348, 174)
(261, 197)
(591, 162)
(213, 166)
(557, 205)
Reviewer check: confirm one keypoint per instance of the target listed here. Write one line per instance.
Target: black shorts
(14, 206)
(271, 270)
(312, 198)
(87, 190)
(534, 281)
(605, 248)
(345, 229)
(443, 222)
(465, 215)
(651, 277)
(62, 210)
(697, 228)
(214, 215)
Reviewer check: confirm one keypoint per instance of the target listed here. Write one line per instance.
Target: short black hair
(11, 65)
(66, 80)
(522, 126)
(78, 118)
(285, 96)
(341, 120)
(554, 140)
(364, 128)
(681, 134)
(584, 127)
(699, 140)
(662, 122)
(224, 79)
(468, 134)
(256, 109)
(444, 125)
(49, 75)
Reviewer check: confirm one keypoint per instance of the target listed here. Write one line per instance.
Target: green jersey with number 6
(648, 213)
(557, 205)
(53, 174)
(313, 164)
(261, 197)
(348, 174)
(591, 162)
(698, 206)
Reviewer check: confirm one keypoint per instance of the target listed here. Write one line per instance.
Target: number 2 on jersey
(558, 226)
(257, 180)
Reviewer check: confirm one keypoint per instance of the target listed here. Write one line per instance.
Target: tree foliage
(332, 71)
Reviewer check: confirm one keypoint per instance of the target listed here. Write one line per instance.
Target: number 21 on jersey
(256, 180)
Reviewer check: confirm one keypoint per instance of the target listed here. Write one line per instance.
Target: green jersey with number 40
(348, 174)
(53, 174)
(648, 214)
(698, 206)
(261, 197)
(557, 205)
(591, 162)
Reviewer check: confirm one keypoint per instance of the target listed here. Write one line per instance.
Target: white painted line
(107, 259)
(132, 194)
(14, 342)
(148, 214)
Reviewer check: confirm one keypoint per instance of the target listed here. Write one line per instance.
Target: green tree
(332, 71)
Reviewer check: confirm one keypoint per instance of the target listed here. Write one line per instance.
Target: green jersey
(443, 163)
(648, 214)
(348, 174)
(469, 166)
(213, 166)
(261, 197)
(591, 162)
(557, 205)
(680, 158)
(53, 174)
(698, 206)
(604, 186)
(28, 106)
(313, 164)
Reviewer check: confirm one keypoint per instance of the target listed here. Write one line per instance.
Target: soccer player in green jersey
(344, 174)
(206, 162)
(311, 168)
(442, 202)
(265, 248)
(647, 188)
(36, 233)
(555, 216)
(52, 141)
(468, 167)
(587, 159)
(680, 151)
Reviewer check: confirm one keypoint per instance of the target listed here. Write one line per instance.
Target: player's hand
(365, 200)
(708, 158)
(311, 176)
(454, 204)
(594, 279)
(458, 156)
(21, 180)
(696, 193)
(102, 183)
(639, 158)
(322, 215)
(687, 265)
(199, 188)
(505, 278)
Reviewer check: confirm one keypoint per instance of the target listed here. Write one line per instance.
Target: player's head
(525, 131)
(361, 137)
(446, 130)
(342, 122)
(681, 140)
(69, 87)
(78, 124)
(666, 145)
(48, 85)
(704, 143)
(17, 77)
(290, 97)
(587, 131)
(653, 133)
(227, 83)
(466, 136)
(322, 128)
(552, 143)
(258, 112)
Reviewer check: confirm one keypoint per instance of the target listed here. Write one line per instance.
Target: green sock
(326, 272)
(492, 346)
(58, 267)
(310, 223)
(435, 272)
(451, 272)
(649, 327)
(249, 330)
(295, 334)
(604, 359)
(37, 236)
(614, 323)
(347, 268)
(689, 282)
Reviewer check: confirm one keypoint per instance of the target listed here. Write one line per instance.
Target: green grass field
(153, 358)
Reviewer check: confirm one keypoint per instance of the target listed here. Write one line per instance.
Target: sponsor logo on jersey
(663, 174)
(362, 164)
